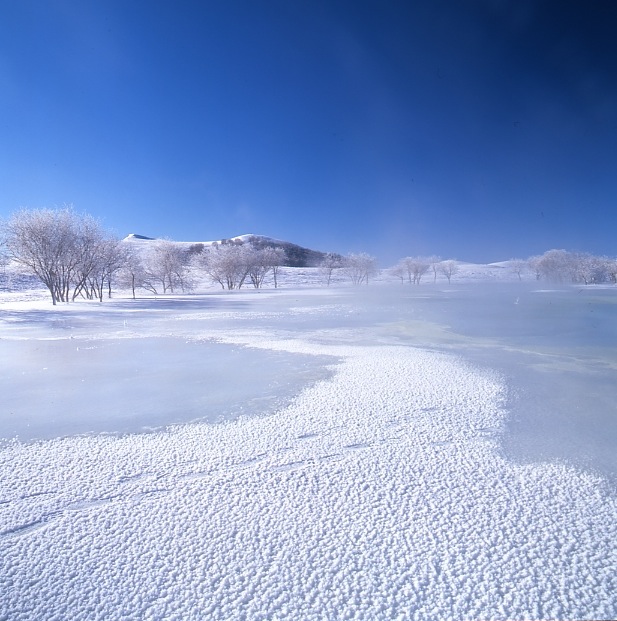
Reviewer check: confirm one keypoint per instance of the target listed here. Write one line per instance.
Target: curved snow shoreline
(377, 494)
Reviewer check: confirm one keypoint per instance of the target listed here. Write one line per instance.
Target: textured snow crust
(377, 494)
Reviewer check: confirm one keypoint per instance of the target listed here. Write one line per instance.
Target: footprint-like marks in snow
(358, 446)
(247, 463)
(84, 505)
(36, 495)
(488, 432)
(26, 529)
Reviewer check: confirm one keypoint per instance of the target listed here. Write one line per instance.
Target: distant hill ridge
(296, 256)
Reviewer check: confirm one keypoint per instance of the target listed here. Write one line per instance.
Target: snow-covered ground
(381, 469)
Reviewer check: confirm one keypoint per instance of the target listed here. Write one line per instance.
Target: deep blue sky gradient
(478, 130)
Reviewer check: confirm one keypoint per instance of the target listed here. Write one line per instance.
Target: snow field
(377, 494)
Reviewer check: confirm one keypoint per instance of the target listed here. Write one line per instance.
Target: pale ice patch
(55, 387)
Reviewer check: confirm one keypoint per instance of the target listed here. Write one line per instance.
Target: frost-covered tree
(534, 265)
(58, 246)
(258, 265)
(4, 261)
(590, 269)
(405, 266)
(576, 267)
(166, 268)
(132, 274)
(231, 264)
(553, 265)
(414, 267)
(101, 257)
(518, 266)
(329, 264)
(275, 258)
(434, 262)
(227, 264)
(449, 268)
(399, 271)
(611, 270)
(42, 242)
(4, 257)
(115, 256)
(359, 267)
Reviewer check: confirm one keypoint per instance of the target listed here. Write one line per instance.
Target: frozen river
(137, 365)
(407, 453)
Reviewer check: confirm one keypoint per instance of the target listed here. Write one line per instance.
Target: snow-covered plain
(380, 472)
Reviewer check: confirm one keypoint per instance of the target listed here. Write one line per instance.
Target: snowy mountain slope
(297, 256)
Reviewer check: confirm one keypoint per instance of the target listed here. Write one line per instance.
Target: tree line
(575, 267)
(74, 256)
(412, 269)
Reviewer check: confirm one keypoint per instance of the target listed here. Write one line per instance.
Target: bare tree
(414, 267)
(133, 273)
(359, 267)
(434, 262)
(399, 271)
(449, 268)
(166, 268)
(260, 262)
(535, 265)
(275, 258)
(518, 266)
(55, 245)
(101, 256)
(553, 265)
(227, 264)
(330, 263)
(258, 265)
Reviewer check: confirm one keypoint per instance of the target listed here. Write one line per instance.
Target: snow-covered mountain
(297, 256)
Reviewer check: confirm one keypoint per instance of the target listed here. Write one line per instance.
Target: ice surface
(382, 490)
(557, 350)
(64, 386)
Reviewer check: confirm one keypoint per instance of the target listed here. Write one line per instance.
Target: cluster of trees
(73, 256)
(413, 268)
(69, 253)
(357, 267)
(164, 268)
(575, 267)
(232, 264)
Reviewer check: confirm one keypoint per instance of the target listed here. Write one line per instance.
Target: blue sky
(479, 130)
